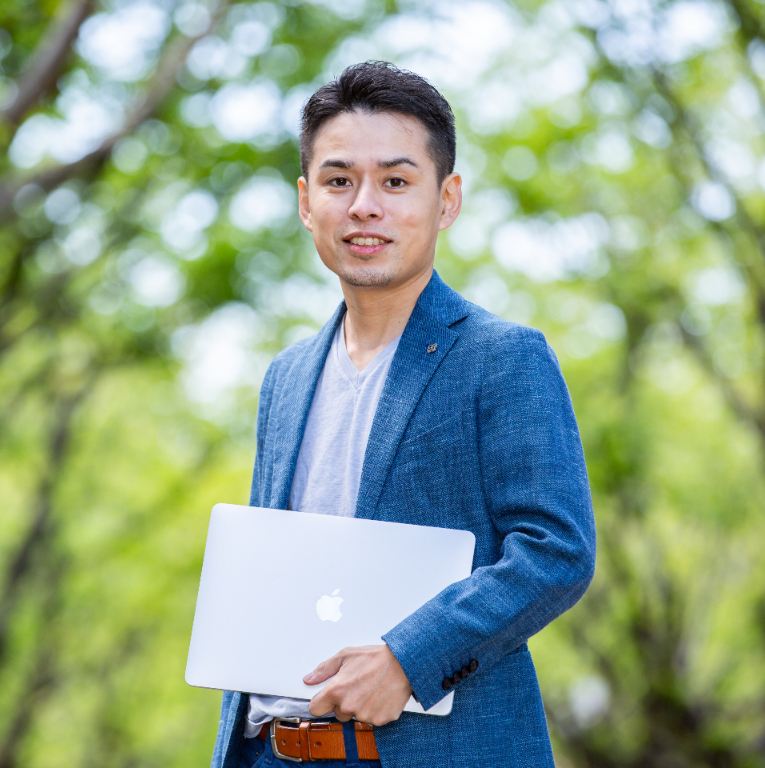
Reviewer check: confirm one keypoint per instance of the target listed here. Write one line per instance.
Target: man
(413, 405)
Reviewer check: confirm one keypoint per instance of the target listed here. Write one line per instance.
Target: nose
(366, 204)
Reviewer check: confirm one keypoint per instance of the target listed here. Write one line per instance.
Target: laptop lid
(282, 591)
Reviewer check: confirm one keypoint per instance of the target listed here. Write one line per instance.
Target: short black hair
(379, 86)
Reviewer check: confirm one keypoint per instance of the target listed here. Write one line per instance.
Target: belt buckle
(274, 747)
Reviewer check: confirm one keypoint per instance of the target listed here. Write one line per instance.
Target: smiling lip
(366, 238)
(366, 243)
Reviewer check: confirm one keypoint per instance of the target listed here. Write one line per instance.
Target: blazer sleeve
(535, 488)
(264, 408)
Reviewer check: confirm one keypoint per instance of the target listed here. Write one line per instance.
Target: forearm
(488, 615)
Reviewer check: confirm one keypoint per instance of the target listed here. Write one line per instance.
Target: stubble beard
(367, 276)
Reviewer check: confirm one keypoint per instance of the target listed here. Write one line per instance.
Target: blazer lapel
(425, 342)
(295, 403)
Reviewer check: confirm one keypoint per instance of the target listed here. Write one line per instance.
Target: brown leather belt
(309, 740)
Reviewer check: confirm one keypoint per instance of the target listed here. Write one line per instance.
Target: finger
(325, 670)
(321, 705)
(342, 716)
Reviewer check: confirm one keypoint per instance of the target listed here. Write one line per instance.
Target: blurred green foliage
(151, 264)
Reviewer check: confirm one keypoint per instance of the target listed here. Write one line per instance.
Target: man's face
(373, 202)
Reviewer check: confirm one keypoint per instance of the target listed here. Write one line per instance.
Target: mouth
(366, 243)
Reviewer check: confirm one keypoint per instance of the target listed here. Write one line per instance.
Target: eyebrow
(347, 164)
(403, 160)
(335, 163)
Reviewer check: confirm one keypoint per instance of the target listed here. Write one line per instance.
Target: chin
(366, 277)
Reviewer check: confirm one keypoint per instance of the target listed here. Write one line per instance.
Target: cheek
(324, 218)
(420, 232)
(420, 217)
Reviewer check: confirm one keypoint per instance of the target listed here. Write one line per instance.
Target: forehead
(361, 136)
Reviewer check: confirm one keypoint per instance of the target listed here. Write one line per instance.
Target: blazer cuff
(424, 672)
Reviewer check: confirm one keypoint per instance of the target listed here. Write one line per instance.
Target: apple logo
(328, 607)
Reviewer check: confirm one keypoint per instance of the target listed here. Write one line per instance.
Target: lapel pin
(432, 348)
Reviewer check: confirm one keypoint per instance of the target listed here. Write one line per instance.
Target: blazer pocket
(431, 442)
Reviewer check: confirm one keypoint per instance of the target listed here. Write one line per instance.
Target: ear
(451, 200)
(304, 209)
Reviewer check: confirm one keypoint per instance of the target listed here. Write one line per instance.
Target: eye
(339, 182)
(396, 183)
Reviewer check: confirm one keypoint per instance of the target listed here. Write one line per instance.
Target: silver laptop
(282, 591)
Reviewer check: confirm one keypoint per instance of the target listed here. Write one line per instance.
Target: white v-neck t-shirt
(329, 465)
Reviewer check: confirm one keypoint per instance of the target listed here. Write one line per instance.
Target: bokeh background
(151, 265)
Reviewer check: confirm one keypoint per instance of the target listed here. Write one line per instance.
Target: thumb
(325, 670)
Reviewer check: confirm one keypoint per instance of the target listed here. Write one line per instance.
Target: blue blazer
(477, 434)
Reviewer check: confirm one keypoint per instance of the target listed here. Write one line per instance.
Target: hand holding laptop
(261, 640)
(367, 683)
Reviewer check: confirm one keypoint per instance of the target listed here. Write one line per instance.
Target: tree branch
(686, 131)
(41, 679)
(751, 25)
(744, 222)
(47, 63)
(22, 562)
(737, 404)
(161, 84)
(13, 279)
(750, 29)
(45, 298)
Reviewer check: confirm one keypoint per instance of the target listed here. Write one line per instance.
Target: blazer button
(465, 672)
(447, 684)
(457, 676)
(473, 666)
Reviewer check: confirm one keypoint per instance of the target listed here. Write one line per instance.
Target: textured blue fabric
(478, 435)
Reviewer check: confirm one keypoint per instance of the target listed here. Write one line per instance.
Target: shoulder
(481, 333)
(294, 352)
(514, 365)
(287, 358)
(501, 343)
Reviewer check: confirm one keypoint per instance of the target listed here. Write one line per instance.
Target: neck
(378, 314)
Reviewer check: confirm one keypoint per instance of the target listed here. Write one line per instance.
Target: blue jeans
(257, 753)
